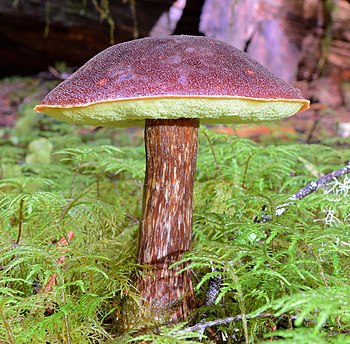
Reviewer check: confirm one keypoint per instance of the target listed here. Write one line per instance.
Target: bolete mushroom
(170, 85)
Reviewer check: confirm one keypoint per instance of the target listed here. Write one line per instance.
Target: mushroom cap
(169, 78)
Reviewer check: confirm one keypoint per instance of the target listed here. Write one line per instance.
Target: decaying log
(294, 39)
(36, 33)
(300, 39)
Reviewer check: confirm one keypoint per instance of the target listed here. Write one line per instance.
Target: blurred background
(305, 42)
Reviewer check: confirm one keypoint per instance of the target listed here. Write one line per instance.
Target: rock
(343, 129)
(40, 151)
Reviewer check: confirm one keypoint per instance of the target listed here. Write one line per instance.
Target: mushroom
(169, 85)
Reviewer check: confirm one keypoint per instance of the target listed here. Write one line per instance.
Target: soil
(8, 105)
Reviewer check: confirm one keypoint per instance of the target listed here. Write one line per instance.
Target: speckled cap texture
(172, 77)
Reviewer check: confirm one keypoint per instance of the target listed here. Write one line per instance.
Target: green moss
(294, 269)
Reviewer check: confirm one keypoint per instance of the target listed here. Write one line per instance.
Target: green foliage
(288, 279)
(296, 265)
(168, 335)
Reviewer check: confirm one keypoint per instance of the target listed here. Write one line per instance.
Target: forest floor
(58, 179)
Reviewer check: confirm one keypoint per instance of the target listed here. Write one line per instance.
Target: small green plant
(285, 280)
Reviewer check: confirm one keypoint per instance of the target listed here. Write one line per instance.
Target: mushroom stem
(166, 225)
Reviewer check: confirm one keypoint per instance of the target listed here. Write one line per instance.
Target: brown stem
(10, 336)
(213, 153)
(166, 225)
(20, 221)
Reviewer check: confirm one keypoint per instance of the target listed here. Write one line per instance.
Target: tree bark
(166, 225)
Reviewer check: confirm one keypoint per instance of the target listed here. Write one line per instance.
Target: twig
(213, 290)
(201, 326)
(210, 296)
(72, 186)
(71, 190)
(66, 322)
(7, 327)
(20, 220)
(213, 153)
(307, 190)
(321, 182)
(246, 170)
(316, 121)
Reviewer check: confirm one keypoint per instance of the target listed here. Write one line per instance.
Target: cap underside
(210, 110)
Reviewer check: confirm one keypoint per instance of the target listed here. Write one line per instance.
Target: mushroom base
(166, 225)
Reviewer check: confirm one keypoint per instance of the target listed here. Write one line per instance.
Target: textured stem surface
(166, 225)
